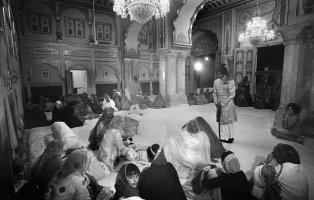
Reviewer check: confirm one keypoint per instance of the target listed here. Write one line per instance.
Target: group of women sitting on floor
(186, 154)
(203, 97)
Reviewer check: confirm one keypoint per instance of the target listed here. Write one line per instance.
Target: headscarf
(122, 187)
(58, 104)
(159, 155)
(54, 148)
(117, 122)
(77, 161)
(230, 163)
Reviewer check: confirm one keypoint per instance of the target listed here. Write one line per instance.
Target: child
(126, 182)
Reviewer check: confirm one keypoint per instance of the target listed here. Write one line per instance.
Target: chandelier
(141, 10)
(257, 31)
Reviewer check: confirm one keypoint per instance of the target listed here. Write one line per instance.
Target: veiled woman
(160, 180)
(188, 150)
(286, 180)
(47, 165)
(112, 146)
(70, 182)
(99, 130)
(243, 92)
(261, 93)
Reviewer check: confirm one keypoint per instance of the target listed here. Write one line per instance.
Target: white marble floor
(252, 144)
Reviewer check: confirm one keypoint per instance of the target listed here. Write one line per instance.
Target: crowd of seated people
(60, 175)
(201, 98)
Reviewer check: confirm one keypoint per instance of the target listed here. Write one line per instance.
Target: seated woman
(188, 150)
(94, 104)
(202, 96)
(68, 116)
(47, 165)
(70, 182)
(97, 133)
(34, 117)
(286, 180)
(81, 108)
(159, 102)
(112, 147)
(125, 103)
(291, 125)
(126, 182)
(232, 180)
(147, 101)
(56, 112)
(117, 100)
(160, 180)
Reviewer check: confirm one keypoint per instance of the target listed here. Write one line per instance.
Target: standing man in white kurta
(224, 92)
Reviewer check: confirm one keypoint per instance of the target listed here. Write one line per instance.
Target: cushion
(61, 131)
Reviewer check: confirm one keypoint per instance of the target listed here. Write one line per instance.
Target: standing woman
(160, 180)
(243, 92)
(261, 93)
(224, 92)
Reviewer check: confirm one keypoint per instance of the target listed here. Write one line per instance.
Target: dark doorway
(270, 65)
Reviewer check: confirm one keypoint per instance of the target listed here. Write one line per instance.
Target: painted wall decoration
(213, 24)
(39, 22)
(227, 37)
(45, 75)
(74, 27)
(207, 43)
(308, 6)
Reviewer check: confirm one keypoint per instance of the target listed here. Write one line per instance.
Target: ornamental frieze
(42, 51)
(78, 64)
(99, 54)
(77, 53)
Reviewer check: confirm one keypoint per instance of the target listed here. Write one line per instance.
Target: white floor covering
(252, 144)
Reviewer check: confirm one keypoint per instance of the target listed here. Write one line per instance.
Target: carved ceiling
(214, 6)
(89, 3)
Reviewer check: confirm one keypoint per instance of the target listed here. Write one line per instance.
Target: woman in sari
(112, 147)
(188, 150)
(261, 93)
(159, 102)
(47, 165)
(243, 92)
(291, 125)
(70, 182)
(99, 130)
(286, 180)
(126, 182)
(202, 96)
(81, 108)
(160, 180)
(232, 180)
(94, 104)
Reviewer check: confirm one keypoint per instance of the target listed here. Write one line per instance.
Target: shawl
(104, 119)
(122, 187)
(77, 162)
(231, 164)
(160, 158)
(54, 148)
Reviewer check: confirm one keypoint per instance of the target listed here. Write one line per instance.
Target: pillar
(28, 88)
(58, 19)
(90, 26)
(151, 76)
(64, 90)
(162, 73)
(181, 76)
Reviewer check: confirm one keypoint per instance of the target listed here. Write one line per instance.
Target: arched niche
(106, 73)
(131, 39)
(204, 42)
(44, 73)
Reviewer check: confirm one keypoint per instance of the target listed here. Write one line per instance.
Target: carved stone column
(162, 73)
(181, 76)
(127, 73)
(151, 76)
(171, 72)
(58, 19)
(64, 90)
(90, 26)
(28, 89)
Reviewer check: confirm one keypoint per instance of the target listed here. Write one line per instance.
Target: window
(103, 31)
(143, 75)
(74, 27)
(39, 23)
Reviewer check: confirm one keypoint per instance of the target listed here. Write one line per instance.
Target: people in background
(291, 125)
(224, 92)
(68, 115)
(42, 103)
(70, 182)
(243, 92)
(108, 103)
(102, 125)
(189, 150)
(159, 102)
(94, 104)
(202, 96)
(135, 93)
(117, 100)
(231, 181)
(56, 112)
(81, 108)
(261, 93)
(34, 117)
(160, 180)
(126, 182)
(286, 180)
(209, 96)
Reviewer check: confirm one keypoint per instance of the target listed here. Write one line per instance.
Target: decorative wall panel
(227, 30)
(99, 54)
(77, 53)
(42, 51)
(85, 64)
